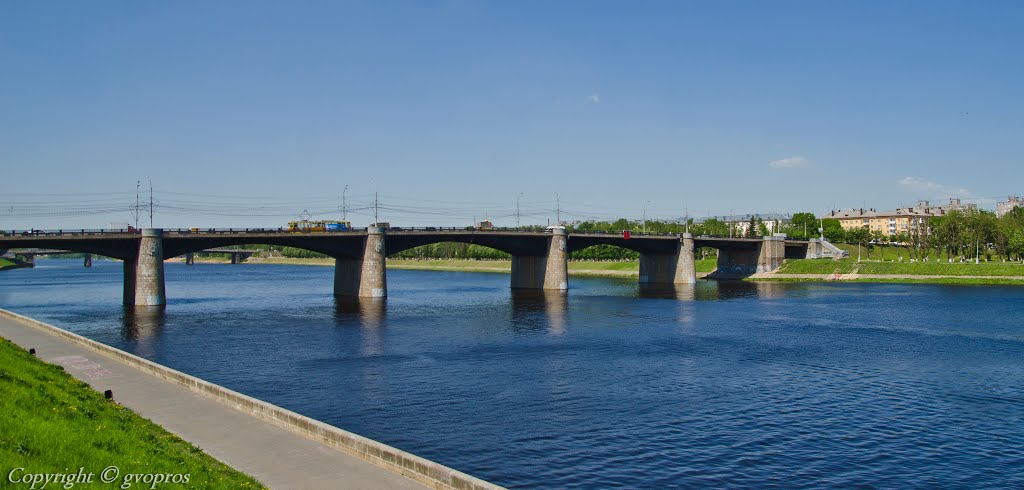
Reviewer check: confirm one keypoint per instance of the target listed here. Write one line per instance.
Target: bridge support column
(677, 268)
(813, 249)
(190, 258)
(686, 267)
(364, 277)
(149, 270)
(234, 259)
(549, 271)
(773, 252)
(88, 260)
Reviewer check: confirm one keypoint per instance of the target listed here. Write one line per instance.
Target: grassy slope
(11, 264)
(52, 421)
(845, 266)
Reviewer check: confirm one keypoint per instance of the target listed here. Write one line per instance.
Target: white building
(1005, 207)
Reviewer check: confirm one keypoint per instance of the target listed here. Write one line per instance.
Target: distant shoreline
(810, 270)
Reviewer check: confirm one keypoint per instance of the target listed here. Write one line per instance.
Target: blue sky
(247, 113)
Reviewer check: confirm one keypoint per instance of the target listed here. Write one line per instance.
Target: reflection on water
(143, 326)
(369, 314)
(682, 292)
(539, 310)
(366, 312)
(713, 290)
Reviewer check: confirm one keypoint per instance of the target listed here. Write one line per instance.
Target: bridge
(539, 259)
(29, 254)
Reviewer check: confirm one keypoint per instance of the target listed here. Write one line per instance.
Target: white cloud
(594, 98)
(928, 189)
(788, 162)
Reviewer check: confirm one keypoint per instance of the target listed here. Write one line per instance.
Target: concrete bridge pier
(365, 277)
(686, 266)
(88, 260)
(144, 277)
(772, 253)
(734, 262)
(549, 271)
(235, 259)
(677, 268)
(814, 249)
(190, 258)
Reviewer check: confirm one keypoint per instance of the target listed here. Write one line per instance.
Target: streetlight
(645, 217)
(138, 184)
(517, 208)
(729, 220)
(344, 204)
(558, 210)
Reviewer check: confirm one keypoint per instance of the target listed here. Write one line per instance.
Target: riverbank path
(275, 456)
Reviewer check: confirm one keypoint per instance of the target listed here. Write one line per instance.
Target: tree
(901, 240)
(712, 227)
(859, 236)
(803, 226)
(834, 231)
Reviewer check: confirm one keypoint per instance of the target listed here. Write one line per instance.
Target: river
(726, 384)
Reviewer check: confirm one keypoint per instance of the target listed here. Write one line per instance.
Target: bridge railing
(76, 232)
(225, 231)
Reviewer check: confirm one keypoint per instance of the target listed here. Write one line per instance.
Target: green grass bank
(11, 264)
(850, 265)
(53, 423)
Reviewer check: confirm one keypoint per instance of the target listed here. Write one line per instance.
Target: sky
(252, 113)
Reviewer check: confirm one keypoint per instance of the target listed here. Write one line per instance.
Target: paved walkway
(277, 457)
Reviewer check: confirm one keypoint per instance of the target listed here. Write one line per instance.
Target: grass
(994, 280)
(12, 264)
(817, 266)
(846, 266)
(54, 423)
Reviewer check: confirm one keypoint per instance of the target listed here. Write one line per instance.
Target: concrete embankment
(278, 447)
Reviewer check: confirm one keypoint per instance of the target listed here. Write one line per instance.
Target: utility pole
(344, 204)
(375, 220)
(138, 184)
(730, 222)
(150, 202)
(687, 218)
(645, 217)
(558, 210)
(517, 208)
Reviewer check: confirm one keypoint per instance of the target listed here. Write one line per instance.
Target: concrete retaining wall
(411, 466)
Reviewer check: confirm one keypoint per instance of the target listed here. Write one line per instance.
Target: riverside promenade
(251, 436)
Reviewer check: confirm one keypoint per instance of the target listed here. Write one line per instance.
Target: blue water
(726, 384)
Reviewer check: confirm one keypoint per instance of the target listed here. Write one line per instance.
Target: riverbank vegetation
(54, 423)
(12, 264)
(851, 266)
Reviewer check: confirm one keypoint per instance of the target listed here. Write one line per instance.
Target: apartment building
(1005, 207)
(888, 223)
(902, 220)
